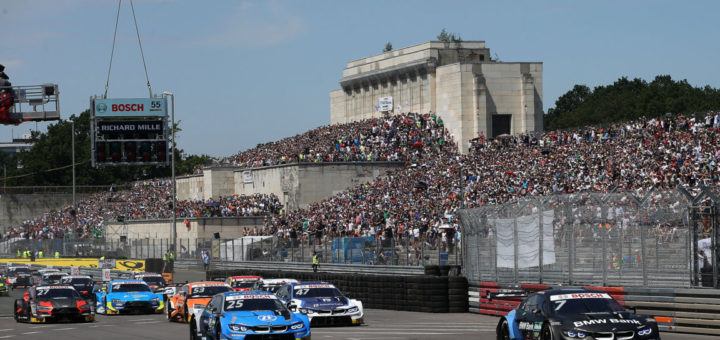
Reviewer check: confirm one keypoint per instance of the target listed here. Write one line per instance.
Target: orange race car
(191, 298)
(242, 283)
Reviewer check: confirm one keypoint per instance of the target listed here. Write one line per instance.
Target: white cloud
(256, 25)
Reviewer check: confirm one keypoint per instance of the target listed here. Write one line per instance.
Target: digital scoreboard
(130, 131)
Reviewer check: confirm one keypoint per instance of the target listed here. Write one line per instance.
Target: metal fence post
(642, 256)
(541, 239)
(604, 257)
(516, 250)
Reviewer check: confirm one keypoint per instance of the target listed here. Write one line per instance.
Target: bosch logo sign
(267, 318)
(131, 107)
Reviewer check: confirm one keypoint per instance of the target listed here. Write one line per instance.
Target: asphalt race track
(380, 324)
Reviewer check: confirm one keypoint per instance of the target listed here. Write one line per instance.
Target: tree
(627, 100)
(388, 47)
(444, 36)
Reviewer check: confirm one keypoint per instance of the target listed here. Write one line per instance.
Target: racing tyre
(193, 332)
(15, 312)
(168, 311)
(546, 333)
(503, 332)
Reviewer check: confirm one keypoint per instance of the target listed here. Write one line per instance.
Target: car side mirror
(536, 311)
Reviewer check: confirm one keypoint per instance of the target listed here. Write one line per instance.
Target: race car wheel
(503, 331)
(15, 312)
(193, 332)
(218, 331)
(168, 311)
(546, 333)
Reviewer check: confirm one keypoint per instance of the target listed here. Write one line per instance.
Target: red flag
(187, 224)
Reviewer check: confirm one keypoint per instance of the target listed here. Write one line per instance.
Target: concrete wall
(16, 208)
(298, 185)
(458, 81)
(200, 228)
(190, 187)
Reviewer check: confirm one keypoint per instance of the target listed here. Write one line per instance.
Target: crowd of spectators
(417, 204)
(151, 199)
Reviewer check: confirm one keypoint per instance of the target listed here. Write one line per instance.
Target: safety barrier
(675, 309)
(326, 267)
(417, 293)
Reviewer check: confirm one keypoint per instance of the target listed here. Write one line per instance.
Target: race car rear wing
(506, 293)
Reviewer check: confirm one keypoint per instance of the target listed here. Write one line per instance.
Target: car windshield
(130, 287)
(254, 305)
(56, 293)
(583, 306)
(208, 291)
(76, 281)
(305, 292)
(154, 280)
(243, 284)
(270, 288)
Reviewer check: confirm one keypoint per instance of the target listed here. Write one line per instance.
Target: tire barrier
(154, 265)
(416, 293)
(684, 310)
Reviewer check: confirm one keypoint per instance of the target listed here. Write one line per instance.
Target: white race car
(323, 303)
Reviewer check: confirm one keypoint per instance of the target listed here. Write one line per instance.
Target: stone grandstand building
(459, 81)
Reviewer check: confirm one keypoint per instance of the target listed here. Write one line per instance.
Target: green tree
(629, 99)
(444, 36)
(388, 47)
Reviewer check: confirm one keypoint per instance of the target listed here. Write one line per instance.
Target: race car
(37, 274)
(192, 298)
(322, 302)
(52, 303)
(19, 276)
(272, 285)
(82, 283)
(156, 281)
(4, 285)
(51, 278)
(128, 296)
(248, 315)
(242, 283)
(573, 314)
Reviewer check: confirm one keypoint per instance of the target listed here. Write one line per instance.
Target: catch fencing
(661, 239)
(400, 251)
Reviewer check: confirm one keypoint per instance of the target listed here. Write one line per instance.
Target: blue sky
(249, 72)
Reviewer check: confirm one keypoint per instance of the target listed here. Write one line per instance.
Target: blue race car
(248, 315)
(322, 302)
(127, 296)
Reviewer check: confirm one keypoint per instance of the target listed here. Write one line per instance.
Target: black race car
(573, 314)
(83, 284)
(19, 276)
(52, 303)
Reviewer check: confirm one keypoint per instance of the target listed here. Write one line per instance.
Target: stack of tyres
(457, 294)
(427, 294)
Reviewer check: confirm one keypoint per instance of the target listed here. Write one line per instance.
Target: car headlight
(44, 308)
(297, 325)
(353, 310)
(117, 302)
(575, 334)
(238, 328)
(646, 331)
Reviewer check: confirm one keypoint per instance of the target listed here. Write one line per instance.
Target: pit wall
(683, 310)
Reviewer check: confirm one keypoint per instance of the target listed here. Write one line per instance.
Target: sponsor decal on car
(580, 296)
(605, 321)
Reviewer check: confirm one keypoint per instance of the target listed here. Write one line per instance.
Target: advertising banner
(130, 126)
(128, 265)
(130, 107)
(385, 104)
